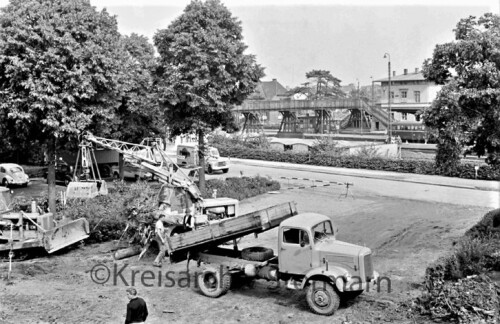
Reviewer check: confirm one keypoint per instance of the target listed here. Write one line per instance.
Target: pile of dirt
(469, 300)
(457, 286)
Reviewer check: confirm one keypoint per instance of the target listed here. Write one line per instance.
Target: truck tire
(214, 281)
(225, 170)
(322, 298)
(209, 169)
(257, 253)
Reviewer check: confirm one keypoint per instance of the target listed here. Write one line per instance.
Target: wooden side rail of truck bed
(227, 229)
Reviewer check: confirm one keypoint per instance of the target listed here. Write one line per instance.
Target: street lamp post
(372, 101)
(387, 56)
(360, 110)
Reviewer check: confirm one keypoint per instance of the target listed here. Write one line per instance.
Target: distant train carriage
(415, 132)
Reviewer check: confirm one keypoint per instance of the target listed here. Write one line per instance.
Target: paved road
(365, 182)
(379, 183)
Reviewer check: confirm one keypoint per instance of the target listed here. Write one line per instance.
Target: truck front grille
(367, 260)
(221, 163)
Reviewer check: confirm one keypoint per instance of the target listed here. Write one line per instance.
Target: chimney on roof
(416, 70)
(405, 71)
(393, 73)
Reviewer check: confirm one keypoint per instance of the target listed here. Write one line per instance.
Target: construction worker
(160, 239)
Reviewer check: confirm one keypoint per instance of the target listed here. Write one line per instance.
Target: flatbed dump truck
(309, 256)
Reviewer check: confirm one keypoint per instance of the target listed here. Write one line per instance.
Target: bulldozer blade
(65, 234)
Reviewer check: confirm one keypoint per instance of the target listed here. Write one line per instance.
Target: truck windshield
(214, 152)
(322, 230)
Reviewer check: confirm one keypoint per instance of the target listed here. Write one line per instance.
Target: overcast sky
(347, 38)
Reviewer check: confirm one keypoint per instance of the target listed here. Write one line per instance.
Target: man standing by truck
(160, 239)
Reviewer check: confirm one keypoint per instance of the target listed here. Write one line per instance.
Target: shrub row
(240, 188)
(465, 170)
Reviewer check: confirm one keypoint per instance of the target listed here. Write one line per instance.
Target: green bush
(487, 228)
(464, 170)
(107, 215)
(240, 188)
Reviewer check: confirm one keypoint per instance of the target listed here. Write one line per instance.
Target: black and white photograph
(237, 161)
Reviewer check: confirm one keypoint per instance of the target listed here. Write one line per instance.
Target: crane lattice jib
(144, 156)
(134, 151)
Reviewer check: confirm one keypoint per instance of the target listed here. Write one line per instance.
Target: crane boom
(152, 158)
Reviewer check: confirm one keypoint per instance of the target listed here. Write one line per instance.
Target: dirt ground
(404, 235)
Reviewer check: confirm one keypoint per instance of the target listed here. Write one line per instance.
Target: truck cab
(187, 156)
(308, 247)
(309, 258)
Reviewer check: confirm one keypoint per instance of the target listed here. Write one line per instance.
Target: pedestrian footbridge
(324, 116)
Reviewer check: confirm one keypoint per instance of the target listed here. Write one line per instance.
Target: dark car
(64, 173)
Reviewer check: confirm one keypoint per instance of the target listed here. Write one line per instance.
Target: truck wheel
(116, 176)
(257, 253)
(66, 182)
(214, 283)
(209, 169)
(225, 170)
(322, 298)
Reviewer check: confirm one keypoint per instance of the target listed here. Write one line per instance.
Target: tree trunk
(51, 175)
(201, 156)
(121, 163)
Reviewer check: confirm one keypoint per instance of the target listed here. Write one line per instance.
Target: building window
(417, 96)
(417, 117)
(404, 94)
(404, 116)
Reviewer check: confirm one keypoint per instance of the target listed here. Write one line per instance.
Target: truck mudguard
(335, 275)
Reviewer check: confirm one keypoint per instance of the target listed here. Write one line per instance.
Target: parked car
(131, 172)
(64, 173)
(13, 174)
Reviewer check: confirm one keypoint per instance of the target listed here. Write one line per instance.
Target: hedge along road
(449, 190)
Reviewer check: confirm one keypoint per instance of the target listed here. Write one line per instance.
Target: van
(187, 156)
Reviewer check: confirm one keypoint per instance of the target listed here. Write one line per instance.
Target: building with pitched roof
(269, 90)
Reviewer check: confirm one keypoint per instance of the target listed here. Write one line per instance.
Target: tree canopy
(467, 109)
(203, 69)
(59, 68)
(323, 85)
(138, 114)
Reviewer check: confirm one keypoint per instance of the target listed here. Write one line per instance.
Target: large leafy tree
(467, 109)
(59, 66)
(138, 115)
(203, 70)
